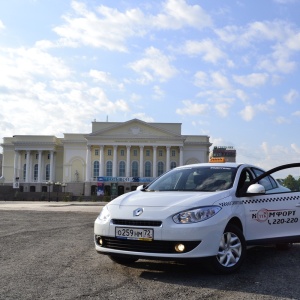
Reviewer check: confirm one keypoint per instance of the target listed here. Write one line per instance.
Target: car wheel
(122, 260)
(231, 253)
(284, 246)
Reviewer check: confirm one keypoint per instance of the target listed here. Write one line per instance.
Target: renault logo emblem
(137, 212)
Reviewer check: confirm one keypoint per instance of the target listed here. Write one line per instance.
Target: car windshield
(199, 179)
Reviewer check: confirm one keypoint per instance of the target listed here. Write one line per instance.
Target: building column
(115, 161)
(168, 159)
(101, 161)
(16, 165)
(181, 156)
(88, 164)
(51, 166)
(154, 174)
(141, 161)
(40, 166)
(27, 166)
(128, 161)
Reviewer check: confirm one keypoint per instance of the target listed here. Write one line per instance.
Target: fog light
(179, 247)
(100, 241)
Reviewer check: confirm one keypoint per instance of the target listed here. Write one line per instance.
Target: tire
(231, 253)
(122, 260)
(284, 246)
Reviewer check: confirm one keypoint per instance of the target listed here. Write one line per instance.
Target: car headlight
(104, 215)
(196, 215)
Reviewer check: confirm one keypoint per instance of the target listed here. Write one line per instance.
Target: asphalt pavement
(47, 252)
(52, 206)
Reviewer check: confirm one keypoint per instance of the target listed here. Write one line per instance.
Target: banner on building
(100, 186)
(125, 179)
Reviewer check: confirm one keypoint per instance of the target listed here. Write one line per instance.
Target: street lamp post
(57, 184)
(49, 183)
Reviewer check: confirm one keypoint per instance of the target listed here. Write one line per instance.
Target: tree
(291, 183)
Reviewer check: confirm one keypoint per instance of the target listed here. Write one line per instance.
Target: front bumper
(198, 240)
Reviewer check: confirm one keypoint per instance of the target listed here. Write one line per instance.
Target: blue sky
(226, 69)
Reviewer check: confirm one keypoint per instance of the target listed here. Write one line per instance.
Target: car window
(268, 182)
(244, 181)
(195, 179)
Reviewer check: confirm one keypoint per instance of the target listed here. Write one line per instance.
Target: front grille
(136, 222)
(146, 246)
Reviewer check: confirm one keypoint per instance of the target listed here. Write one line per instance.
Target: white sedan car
(211, 210)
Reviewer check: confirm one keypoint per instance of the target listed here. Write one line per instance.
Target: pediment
(134, 129)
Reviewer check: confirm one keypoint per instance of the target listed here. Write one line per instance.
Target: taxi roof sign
(217, 160)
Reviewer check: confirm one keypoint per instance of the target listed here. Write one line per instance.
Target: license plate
(142, 234)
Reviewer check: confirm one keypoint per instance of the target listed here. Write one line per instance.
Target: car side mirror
(256, 189)
(140, 187)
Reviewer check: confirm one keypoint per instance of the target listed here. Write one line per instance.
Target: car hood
(164, 201)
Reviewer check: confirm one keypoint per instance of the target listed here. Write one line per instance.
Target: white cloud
(251, 80)
(177, 14)
(192, 108)
(255, 32)
(295, 148)
(108, 29)
(278, 61)
(65, 85)
(206, 48)
(220, 81)
(291, 96)
(158, 92)
(28, 65)
(213, 80)
(1, 25)
(100, 76)
(250, 111)
(154, 66)
(143, 117)
(222, 109)
(296, 113)
(293, 42)
(282, 120)
(201, 79)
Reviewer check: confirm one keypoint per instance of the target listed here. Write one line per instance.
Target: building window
(122, 169)
(173, 165)
(109, 152)
(135, 152)
(96, 169)
(24, 171)
(160, 153)
(48, 172)
(48, 156)
(147, 169)
(147, 152)
(36, 156)
(134, 169)
(96, 152)
(25, 155)
(160, 168)
(35, 172)
(173, 153)
(109, 168)
(122, 152)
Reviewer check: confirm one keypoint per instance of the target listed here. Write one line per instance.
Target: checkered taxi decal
(270, 199)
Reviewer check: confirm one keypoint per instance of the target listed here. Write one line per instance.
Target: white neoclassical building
(117, 156)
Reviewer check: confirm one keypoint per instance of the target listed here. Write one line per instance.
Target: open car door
(272, 216)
